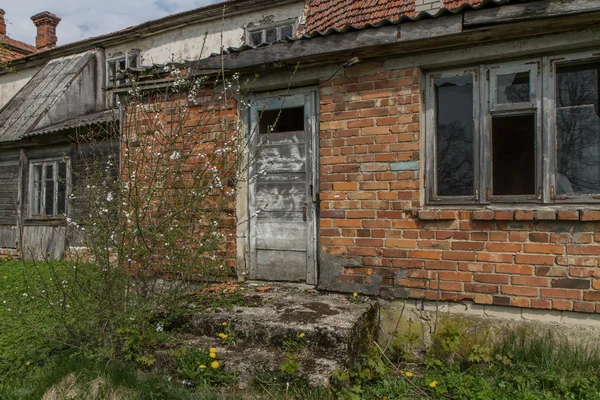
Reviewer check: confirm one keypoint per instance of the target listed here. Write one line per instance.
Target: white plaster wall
(189, 43)
(11, 83)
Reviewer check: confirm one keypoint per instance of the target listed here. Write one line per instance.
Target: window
(118, 64)
(270, 33)
(518, 132)
(48, 188)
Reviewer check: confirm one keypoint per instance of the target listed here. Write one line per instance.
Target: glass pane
(49, 190)
(271, 35)
(256, 38)
(454, 136)
(513, 155)
(578, 130)
(61, 195)
(284, 120)
(285, 31)
(36, 198)
(513, 88)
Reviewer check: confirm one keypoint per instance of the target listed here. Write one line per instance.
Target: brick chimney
(46, 23)
(2, 23)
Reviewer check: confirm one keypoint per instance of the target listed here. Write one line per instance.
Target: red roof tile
(11, 49)
(325, 14)
(453, 4)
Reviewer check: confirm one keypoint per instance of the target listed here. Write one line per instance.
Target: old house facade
(431, 150)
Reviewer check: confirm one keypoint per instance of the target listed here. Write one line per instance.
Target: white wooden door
(282, 188)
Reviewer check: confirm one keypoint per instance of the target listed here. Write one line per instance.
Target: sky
(86, 18)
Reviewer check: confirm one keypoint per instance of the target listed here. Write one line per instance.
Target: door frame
(307, 97)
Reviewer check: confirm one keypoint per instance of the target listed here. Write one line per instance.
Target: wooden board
(280, 265)
(40, 242)
(278, 234)
(8, 237)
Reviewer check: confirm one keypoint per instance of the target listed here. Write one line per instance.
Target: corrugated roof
(27, 107)
(326, 14)
(101, 117)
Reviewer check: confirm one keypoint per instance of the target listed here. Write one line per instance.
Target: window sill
(55, 221)
(564, 214)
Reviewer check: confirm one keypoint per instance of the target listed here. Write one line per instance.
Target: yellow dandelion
(214, 364)
(213, 355)
(224, 323)
(401, 372)
(28, 363)
(433, 384)
(212, 350)
(301, 335)
(202, 366)
(355, 294)
(223, 336)
(409, 374)
(4, 276)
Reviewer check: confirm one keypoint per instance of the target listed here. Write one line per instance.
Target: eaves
(447, 29)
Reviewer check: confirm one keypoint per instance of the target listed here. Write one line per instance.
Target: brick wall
(375, 237)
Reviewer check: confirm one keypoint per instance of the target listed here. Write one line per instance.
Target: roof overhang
(458, 30)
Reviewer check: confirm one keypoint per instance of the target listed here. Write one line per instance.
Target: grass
(33, 364)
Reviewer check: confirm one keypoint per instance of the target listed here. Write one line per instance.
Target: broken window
(284, 120)
(48, 188)
(270, 33)
(119, 65)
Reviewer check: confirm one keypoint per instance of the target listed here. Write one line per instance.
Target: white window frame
(293, 22)
(45, 162)
(542, 102)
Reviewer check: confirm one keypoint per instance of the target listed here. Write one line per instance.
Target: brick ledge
(510, 215)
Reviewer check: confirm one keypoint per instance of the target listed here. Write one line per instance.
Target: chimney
(46, 23)
(2, 23)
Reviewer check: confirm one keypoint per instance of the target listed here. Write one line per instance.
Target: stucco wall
(200, 40)
(10, 84)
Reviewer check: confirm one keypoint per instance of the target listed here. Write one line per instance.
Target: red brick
(539, 237)
(459, 255)
(589, 249)
(401, 243)
(520, 302)
(551, 271)
(571, 215)
(479, 236)
(481, 288)
(484, 215)
(428, 254)
(541, 303)
(504, 215)
(455, 276)
(467, 245)
(520, 290)
(482, 299)
(562, 305)
(445, 265)
(591, 296)
(491, 278)
(524, 215)
(420, 284)
(514, 269)
(543, 248)
(584, 307)
(590, 215)
(495, 257)
(534, 259)
(561, 293)
(444, 285)
(545, 215)
(530, 281)
(503, 247)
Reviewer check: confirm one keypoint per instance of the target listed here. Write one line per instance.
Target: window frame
(44, 163)
(293, 22)
(132, 61)
(543, 76)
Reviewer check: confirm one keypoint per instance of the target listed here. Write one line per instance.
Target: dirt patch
(317, 311)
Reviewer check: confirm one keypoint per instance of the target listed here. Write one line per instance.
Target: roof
(15, 48)
(326, 14)
(102, 117)
(21, 115)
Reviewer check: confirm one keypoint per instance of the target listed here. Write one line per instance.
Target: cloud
(82, 19)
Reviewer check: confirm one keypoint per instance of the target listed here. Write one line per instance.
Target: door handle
(304, 211)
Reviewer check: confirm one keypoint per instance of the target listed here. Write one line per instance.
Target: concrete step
(323, 331)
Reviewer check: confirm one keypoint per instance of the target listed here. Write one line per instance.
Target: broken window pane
(283, 120)
(271, 35)
(256, 38)
(454, 136)
(285, 31)
(578, 130)
(49, 190)
(513, 155)
(513, 88)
